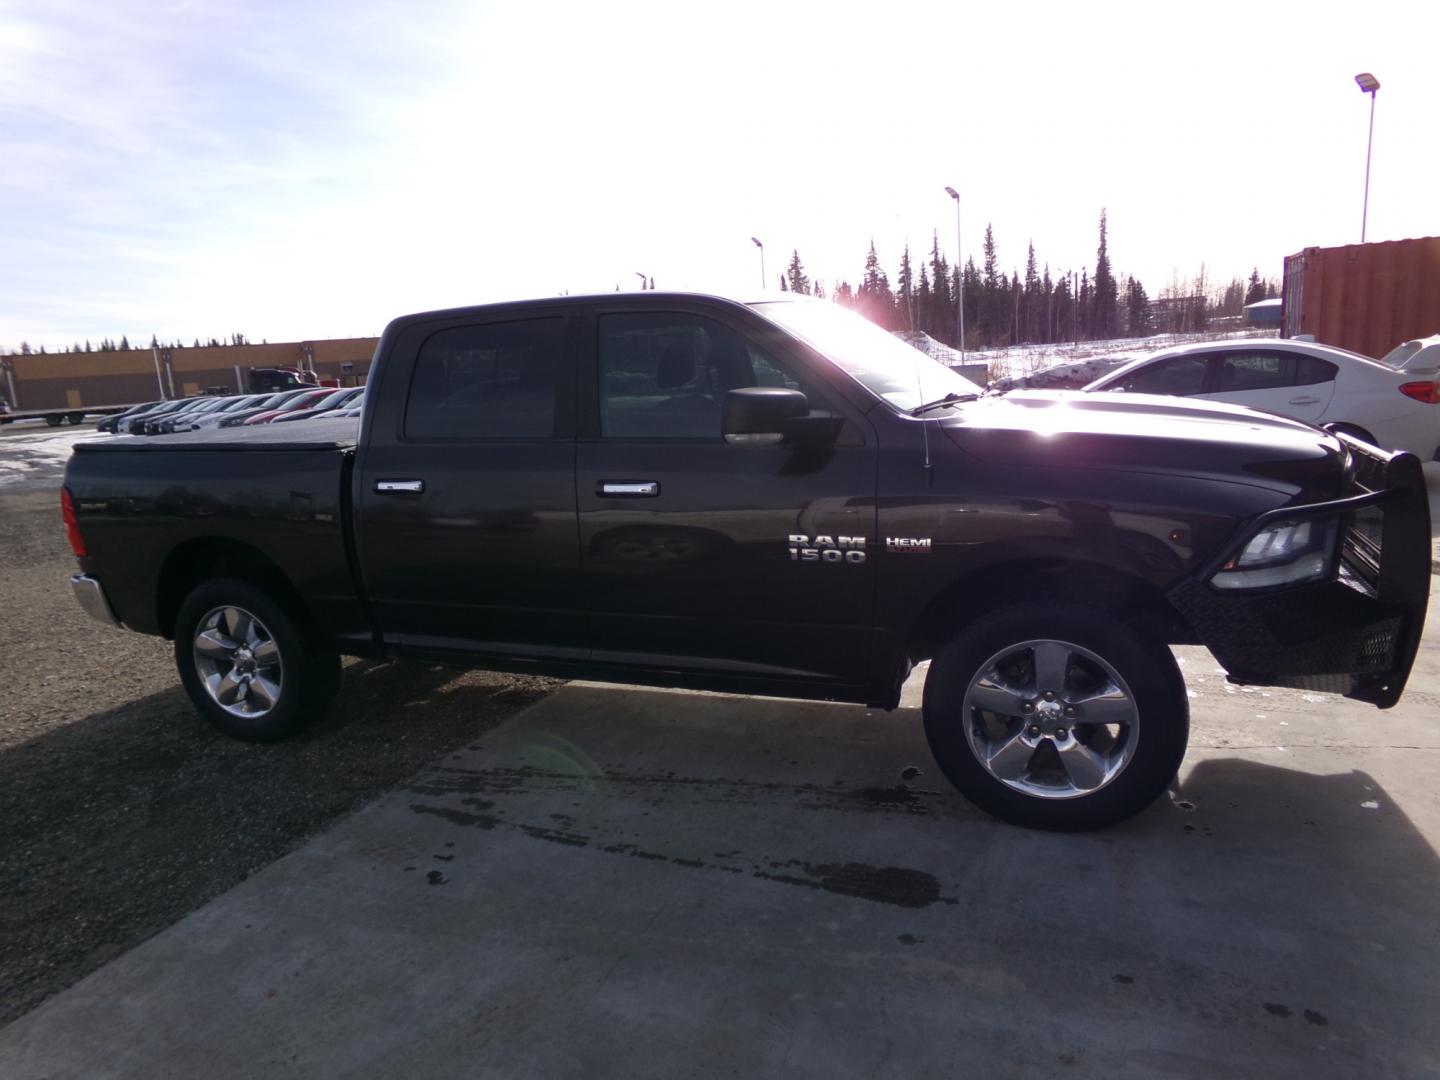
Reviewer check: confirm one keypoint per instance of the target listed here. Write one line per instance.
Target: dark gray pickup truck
(772, 498)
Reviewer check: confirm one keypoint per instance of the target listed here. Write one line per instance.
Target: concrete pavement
(648, 884)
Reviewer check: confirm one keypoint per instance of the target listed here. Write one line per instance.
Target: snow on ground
(37, 453)
(1021, 360)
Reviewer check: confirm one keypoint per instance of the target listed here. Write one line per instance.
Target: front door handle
(1304, 400)
(412, 486)
(633, 489)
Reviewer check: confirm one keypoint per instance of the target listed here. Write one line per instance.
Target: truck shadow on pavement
(121, 822)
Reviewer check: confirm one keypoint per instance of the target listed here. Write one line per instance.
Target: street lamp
(1368, 84)
(642, 280)
(959, 275)
(762, 260)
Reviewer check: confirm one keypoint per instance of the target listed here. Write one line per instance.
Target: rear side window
(1311, 370)
(1255, 371)
(489, 381)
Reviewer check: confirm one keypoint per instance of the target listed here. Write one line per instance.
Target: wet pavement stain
(1124, 980)
(1315, 1018)
(910, 939)
(896, 885)
(435, 877)
(1278, 1010)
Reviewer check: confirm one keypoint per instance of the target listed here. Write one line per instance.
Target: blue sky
(312, 169)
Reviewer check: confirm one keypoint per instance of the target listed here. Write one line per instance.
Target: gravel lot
(122, 810)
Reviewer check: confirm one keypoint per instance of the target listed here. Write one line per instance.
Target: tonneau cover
(301, 435)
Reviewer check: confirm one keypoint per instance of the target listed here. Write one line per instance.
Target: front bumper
(91, 595)
(1356, 634)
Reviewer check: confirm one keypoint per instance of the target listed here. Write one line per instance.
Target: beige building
(95, 379)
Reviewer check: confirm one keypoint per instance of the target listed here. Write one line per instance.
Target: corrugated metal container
(1364, 297)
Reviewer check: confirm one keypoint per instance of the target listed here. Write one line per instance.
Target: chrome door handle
(632, 488)
(413, 486)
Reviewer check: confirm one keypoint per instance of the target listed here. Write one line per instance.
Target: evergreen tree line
(1009, 309)
(110, 345)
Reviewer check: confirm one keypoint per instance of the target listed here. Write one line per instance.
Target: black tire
(284, 688)
(54, 419)
(75, 418)
(1144, 755)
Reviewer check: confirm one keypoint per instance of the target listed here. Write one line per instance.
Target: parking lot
(464, 873)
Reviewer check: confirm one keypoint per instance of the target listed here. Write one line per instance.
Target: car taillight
(72, 526)
(1427, 391)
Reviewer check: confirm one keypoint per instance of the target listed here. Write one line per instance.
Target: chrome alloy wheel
(238, 662)
(1050, 719)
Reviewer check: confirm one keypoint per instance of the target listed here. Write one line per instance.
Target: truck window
(665, 376)
(489, 381)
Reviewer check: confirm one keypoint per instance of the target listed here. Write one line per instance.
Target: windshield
(900, 375)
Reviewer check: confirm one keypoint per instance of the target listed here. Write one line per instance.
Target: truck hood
(1150, 433)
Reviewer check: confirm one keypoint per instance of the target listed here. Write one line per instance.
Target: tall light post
(762, 260)
(959, 275)
(1368, 84)
(642, 280)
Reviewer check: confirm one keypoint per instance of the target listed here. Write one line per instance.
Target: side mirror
(760, 415)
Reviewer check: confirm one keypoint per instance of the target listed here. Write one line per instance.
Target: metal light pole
(959, 275)
(762, 260)
(642, 280)
(1368, 84)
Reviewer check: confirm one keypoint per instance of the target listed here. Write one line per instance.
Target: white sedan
(1392, 405)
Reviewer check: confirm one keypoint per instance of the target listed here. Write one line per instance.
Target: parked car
(1393, 408)
(778, 498)
(339, 400)
(110, 423)
(266, 403)
(159, 425)
(131, 425)
(306, 399)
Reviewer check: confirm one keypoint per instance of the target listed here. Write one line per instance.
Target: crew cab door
(465, 489)
(688, 543)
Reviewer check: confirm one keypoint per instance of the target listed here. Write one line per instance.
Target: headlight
(1289, 553)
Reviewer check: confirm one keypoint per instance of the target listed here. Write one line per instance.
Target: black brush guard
(1355, 634)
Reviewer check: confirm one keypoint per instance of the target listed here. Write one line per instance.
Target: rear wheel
(54, 419)
(75, 417)
(248, 664)
(1056, 716)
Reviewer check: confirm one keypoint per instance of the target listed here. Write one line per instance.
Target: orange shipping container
(1367, 298)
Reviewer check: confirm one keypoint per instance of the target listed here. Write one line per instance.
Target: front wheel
(1056, 716)
(247, 663)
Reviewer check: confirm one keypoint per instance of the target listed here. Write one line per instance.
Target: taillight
(1427, 391)
(72, 526)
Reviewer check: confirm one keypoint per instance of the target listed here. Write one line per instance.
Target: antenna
(924, 424)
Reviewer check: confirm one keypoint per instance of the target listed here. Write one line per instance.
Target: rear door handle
(413, 486)
(1304, 400)
(634, 489)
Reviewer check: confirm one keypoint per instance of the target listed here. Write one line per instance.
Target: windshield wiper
(940, 403)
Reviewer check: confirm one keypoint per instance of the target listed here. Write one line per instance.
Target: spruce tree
(991, 301)
(908, 300)
(1104, 314)
(798, 282)
(1256, 292)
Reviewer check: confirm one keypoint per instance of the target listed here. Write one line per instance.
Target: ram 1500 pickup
(777, 498)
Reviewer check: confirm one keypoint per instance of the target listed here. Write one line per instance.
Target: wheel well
(1063, 581)
(202, 560)
(1353, 429)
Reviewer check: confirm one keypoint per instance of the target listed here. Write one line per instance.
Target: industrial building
(75, 380)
